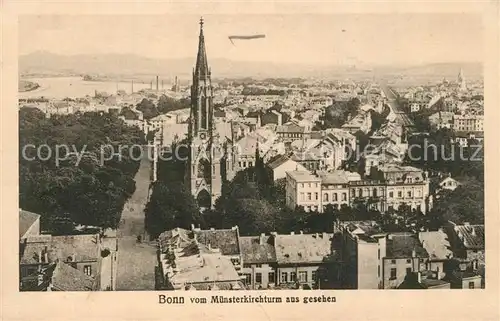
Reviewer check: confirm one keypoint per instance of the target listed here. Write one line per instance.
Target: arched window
(204, 118)
(360, 192)
(204, 170)
(374, 192)
(335, 197)
(203, 199)
(325, 197)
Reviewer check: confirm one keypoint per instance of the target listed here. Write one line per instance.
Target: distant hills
(43, 63)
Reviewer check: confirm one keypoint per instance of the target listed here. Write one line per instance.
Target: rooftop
(257, 249)
(303, 248)
(472, 236)
(83, 247)
(303, 176)
(224, 239)
(26, 220)
(402, 245)
(436, 244)
(67, 278)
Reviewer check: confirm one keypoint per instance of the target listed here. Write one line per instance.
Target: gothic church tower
(204, 175)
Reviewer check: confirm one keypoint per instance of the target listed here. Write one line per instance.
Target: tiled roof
(84, 247)
(303, 176)
(290, 128)
(402, 245)
(303, 248)
(280, 160)
(436, 244)
(226, 240)
(255, 251)
(26, 220)
(67, 278)
(472, 236)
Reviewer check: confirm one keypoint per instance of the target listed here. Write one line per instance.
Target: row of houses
(398, 185)
(357, 255)
(83, 262)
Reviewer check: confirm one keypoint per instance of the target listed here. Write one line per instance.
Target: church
(212, 156)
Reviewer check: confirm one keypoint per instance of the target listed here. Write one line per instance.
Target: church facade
(211, 157)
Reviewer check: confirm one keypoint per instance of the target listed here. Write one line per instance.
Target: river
(73, 87)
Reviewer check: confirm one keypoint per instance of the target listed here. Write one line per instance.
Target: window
(334, 197)
(309, 196)
(284, 277)
(248, 278)
(344, 196)
(378, 256)
(314, 276)
(374, 192)
(87, 269)
(471, 285)
(393, 261)
(360, 192)
(393, 274)
(308, 184)
(391, 194)
(316, 196)
(419, 208)
(378, 270)
(301, 196)
(303, 276)
(400, 194)
(325, 197)
(258, 265)
(353, 192)
(246, 266)
(271, 277)
(293, 276)
(258, 278)
(409, 193)
(408, 261)
(408, 270)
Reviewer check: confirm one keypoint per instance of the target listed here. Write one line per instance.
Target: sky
(372, 39)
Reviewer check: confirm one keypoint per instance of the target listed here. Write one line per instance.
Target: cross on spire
(201, 22)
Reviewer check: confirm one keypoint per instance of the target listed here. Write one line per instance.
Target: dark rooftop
(402, 245)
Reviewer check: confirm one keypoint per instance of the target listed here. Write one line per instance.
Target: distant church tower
(461, 80)
(204, 175)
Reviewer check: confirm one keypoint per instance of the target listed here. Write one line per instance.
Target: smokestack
(157, 83)
(151, 85)
(132, 86)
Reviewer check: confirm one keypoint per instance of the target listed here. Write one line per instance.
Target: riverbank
(25, 86)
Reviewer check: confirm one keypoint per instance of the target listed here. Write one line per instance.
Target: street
(136, 261)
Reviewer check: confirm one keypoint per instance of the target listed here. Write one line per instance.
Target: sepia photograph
(213, 152)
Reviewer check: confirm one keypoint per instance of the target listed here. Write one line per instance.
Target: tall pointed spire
(201, 69)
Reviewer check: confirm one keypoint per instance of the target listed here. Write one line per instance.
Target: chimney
(274, 234)
(196, 238)
(413, 253)
(262, 239)
(156, 82)
(292, 233)
(209, 247)
(40, 257)
(315, 235)
(473, 231)
(212, 229)
(192, 227)
(301, 232)
(324, 235)
(419, 277)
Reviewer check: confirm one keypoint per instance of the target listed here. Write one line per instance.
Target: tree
(170, 206)
(147, 108)
(89, 190)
